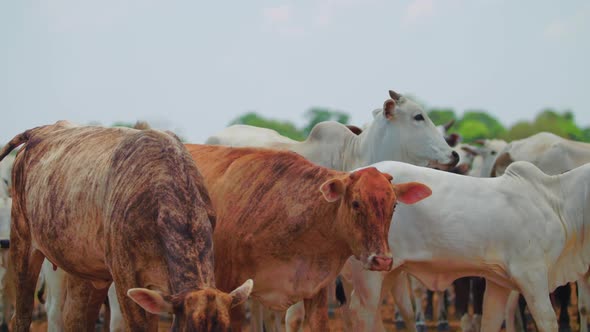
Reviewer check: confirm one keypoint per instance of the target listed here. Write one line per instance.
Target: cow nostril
(455, 155)
(382, 261)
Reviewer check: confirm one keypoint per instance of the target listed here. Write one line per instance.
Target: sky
(193, 66)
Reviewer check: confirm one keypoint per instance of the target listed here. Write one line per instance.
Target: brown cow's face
(201, 310)
(367, 201)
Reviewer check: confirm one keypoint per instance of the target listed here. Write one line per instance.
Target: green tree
(441, 116)
(317, 115)
(284, 128)
(494, 127)
(471, 130)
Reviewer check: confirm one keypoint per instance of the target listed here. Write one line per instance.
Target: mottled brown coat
(289, 224)
(118, 204)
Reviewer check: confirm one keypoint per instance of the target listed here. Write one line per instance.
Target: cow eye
(356, 205)
(493, 153)
(419, 117)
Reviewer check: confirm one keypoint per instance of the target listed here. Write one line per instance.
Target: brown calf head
(367, 200)
(198, 310)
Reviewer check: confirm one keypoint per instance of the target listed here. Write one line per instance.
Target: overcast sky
(193, 66)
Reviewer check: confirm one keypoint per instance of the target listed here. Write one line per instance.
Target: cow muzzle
(380, 263)
(454, 160)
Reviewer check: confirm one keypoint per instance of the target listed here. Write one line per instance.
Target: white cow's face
(407, 124)
(489, 152)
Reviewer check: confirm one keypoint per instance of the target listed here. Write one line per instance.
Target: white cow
(549, 152)
(401, 130)
(7, 295)
(530, 235)
(553, 155)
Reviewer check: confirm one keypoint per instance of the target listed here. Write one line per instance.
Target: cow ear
(388, 108)
(240, 294)
(152, 301)
(333, 189)
(411, 192)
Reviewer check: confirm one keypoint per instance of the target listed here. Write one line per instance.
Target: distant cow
(290, 224)
(122, 205)
(401, 130)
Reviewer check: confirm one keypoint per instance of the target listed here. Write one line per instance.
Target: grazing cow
(553, 155)
(122, 205)
(440, 240)
(290, 224)
(401, 130)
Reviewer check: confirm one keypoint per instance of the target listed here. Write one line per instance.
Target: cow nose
(381, 263)
(455, 155)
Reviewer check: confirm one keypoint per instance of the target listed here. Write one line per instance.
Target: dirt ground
(387, 311)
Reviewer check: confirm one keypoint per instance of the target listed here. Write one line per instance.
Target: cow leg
(534, 288)
(54, 290)
(116, 324)
(478, 286)
(429, 310)
(510, 312)
(563, 295)
(461, 287)
(237, 316)
(26, 263)
(494, 301)
(272, 319)
(256, 316)
(443, 322)
(583, 302)
(365, 299)
(345, 307)
(295, 317)
(316, 311)
(418, 290)
(82, 303)
(400, 290)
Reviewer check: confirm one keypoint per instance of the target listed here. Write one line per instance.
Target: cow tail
(16, 141)
(340, 293)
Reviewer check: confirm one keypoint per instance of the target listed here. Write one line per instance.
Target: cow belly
(281, 284)
(85, 259)
(439, 274)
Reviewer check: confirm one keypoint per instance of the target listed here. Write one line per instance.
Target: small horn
(449, 124)
(394, 95)
(480, 141)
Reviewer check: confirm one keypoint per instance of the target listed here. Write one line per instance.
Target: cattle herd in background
(151, 226)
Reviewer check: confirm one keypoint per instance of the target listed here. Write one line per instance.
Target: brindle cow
(290, 225)
(122, 205)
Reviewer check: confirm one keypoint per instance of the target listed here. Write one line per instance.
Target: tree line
(471, 125)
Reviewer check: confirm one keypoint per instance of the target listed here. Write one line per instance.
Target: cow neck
(188, 253)
(377, 143)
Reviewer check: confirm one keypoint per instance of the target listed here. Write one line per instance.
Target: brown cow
(290, 225)
(117, 204)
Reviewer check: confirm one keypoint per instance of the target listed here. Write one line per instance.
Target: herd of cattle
(196, 230)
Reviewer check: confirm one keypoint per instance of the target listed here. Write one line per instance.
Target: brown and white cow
(290, 225)
(122, 205)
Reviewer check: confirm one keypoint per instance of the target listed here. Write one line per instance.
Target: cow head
(198, 310)
(405, 130)
(367, 200)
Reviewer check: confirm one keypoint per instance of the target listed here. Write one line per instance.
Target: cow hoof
(4, 327)
(400, 324)
(442, 326)
(421, 327)
(565, 329)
